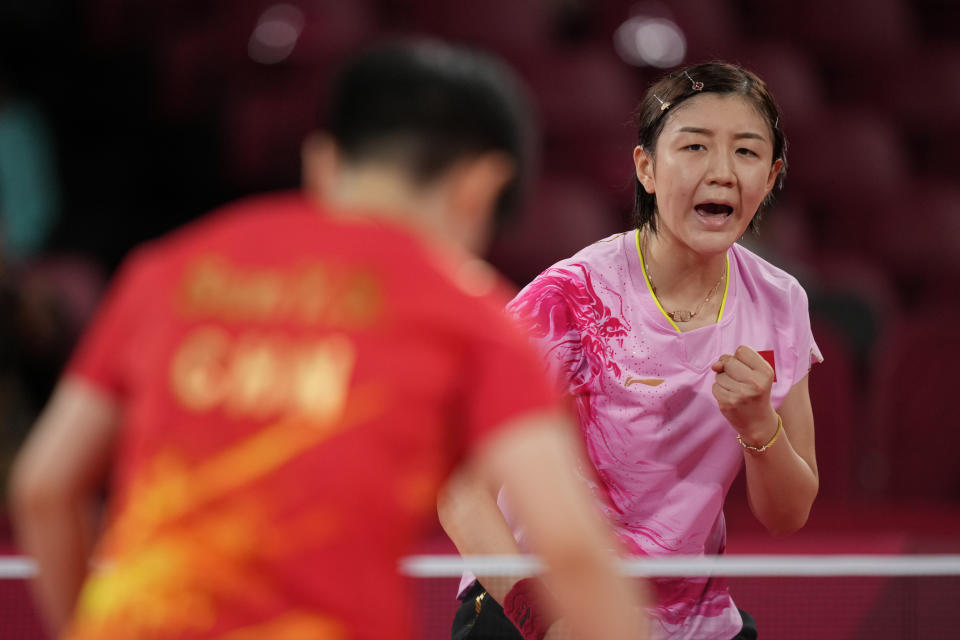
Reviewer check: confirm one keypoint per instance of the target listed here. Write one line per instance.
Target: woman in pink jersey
(685, 354)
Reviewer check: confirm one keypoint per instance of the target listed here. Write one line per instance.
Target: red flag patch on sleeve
(768, 356)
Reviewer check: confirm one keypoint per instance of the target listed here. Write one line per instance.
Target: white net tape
(441, 566)
(739, 565)
(833, 597)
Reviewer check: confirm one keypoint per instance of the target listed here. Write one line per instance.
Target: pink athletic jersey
(664, 455)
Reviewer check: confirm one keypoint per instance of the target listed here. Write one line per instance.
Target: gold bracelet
(757, 449)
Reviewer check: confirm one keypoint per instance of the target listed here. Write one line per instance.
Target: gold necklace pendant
(681, 315)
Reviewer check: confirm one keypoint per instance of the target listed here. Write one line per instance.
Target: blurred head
(693, 87)
(424, 109)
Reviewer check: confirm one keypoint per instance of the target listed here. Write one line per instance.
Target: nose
(720, 171)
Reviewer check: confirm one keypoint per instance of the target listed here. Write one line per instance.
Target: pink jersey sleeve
(808, 353)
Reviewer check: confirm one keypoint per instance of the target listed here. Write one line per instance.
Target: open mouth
(714, 209)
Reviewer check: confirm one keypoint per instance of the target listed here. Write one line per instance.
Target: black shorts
(480, 617)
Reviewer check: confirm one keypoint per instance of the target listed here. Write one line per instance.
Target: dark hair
(681, 85)
(423, 105)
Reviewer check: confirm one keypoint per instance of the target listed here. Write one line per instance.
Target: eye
(694, 147)
(747, 152)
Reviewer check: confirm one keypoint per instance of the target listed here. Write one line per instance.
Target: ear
(320, 163)
(643, 163)
(477, 183)
(774, 172)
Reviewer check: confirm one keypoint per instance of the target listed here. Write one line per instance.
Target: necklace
(682, 315)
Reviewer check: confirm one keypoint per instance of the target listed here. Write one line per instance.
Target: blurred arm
(535, 462)
(469, 514)
(54, 485)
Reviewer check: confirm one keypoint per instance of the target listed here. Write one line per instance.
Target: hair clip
(697, 85)
(663, 105)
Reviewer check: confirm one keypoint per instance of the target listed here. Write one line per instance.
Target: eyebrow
(736, 136)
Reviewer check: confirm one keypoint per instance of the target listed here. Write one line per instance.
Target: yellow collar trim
(643, 268)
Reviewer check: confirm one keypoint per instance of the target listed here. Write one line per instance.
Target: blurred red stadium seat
(264, 127)
(916, 425)
(562, 215)
(837, 403)
(838, 32)
(585, 98)
(505, 26)
(333, 29)
(710, 29)
(241, 42)
(849, 151)
(914, 232)
(919, 87)
(792, 76)
(926, 107)
(852, 169)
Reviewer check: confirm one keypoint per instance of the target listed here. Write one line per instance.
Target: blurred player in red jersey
(278, 390)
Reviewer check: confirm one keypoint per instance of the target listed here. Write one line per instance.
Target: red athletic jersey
(295, 387)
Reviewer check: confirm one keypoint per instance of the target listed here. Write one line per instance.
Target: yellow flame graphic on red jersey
(169, 557)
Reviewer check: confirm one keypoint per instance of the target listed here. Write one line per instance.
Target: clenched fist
(742, 390)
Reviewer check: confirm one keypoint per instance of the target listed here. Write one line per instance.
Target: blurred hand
(742, 389)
